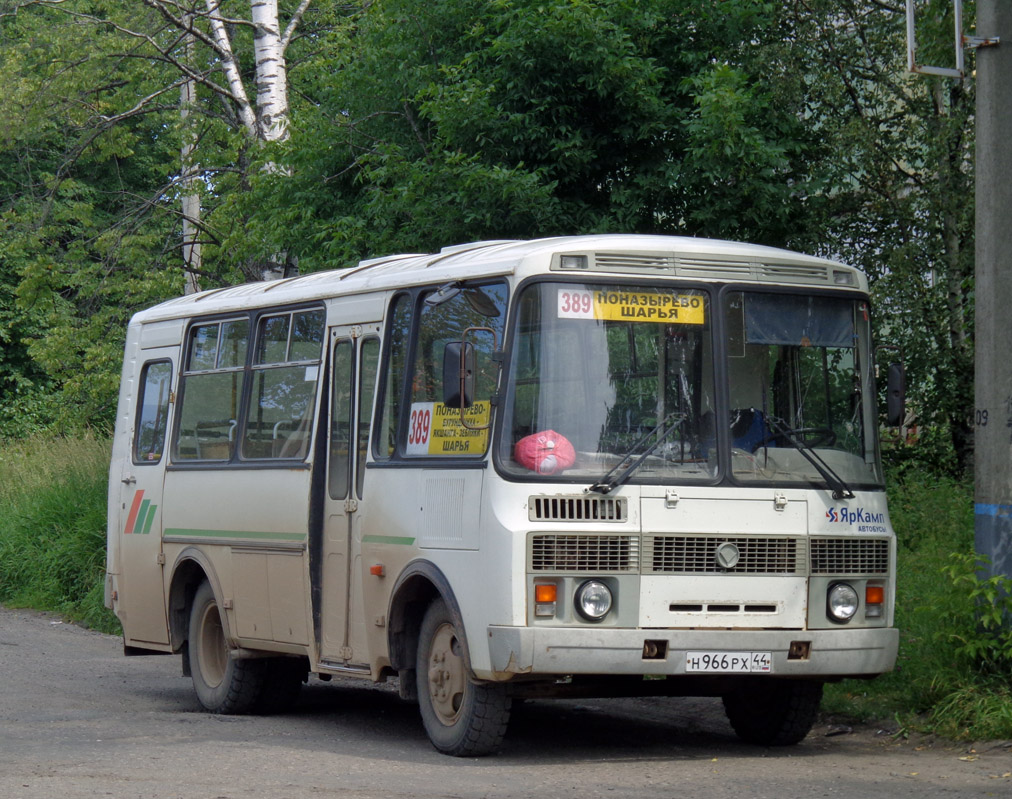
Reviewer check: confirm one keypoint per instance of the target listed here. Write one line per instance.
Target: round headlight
(593, 600)
(842, 602)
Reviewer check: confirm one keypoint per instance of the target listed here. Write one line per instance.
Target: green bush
(955, 660)
(52, 527)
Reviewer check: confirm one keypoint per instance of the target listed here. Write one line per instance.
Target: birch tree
(129, 131)
(263, 120)
(200, 47)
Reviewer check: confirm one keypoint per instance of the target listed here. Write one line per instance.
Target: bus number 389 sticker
(616, 305)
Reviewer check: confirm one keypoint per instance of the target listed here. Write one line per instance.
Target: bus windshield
(800, 382)
(605, 374)
(601, 371)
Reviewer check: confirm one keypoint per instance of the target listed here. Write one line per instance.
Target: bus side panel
(253, 525)
(119, 461)
(135, 562)
(437, 518)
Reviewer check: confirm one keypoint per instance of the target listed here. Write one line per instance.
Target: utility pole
(993, 322)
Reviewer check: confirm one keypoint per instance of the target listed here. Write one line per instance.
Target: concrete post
(993, 322)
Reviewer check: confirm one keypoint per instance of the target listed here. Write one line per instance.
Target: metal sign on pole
(962, 42)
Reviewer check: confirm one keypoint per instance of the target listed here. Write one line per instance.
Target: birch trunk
(271, 75)
(230, 67)
(189, 182)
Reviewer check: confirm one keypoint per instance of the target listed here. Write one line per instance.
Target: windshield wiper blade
(610, 482)
(840, 489)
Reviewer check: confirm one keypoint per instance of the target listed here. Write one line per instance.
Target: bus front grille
(584, 553)
(708, 554)
(850, 556)
(698, 554)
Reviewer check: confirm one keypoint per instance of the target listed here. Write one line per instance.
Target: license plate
(729, 662)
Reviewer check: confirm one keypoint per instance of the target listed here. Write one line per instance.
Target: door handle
(129, 480)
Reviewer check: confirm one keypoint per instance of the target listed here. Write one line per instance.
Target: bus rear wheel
(774, 712)
(222, 683)
(462, 717)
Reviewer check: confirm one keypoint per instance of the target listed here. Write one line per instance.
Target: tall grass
(951, 677)
(52, 527)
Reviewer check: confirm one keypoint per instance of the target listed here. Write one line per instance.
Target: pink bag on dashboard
(547, 452)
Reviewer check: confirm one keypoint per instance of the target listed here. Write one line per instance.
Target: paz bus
(603, 465)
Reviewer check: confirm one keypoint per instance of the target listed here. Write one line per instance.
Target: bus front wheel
(774, 712)
(462, 717)
(222, 683)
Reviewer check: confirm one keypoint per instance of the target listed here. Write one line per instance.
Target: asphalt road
(77, 719)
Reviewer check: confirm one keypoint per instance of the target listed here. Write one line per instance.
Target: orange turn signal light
(874, 595)
(545, 593)
(377, 570)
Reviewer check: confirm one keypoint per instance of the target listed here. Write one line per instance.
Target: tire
(282, 684)
(462, 717)
(774, 712)
(222, 683)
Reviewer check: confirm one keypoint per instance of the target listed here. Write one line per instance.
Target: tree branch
(293, 23)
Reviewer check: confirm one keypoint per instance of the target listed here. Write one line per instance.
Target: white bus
(603, 465)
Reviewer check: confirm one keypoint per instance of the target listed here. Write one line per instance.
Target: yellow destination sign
(435, 429)
(632, 306)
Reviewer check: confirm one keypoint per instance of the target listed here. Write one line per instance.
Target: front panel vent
(578, 509)
(850, 556)
(714, 269)
(614, 261)
(794, 273)
(584, 553)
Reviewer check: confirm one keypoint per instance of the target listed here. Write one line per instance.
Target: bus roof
(614, 254)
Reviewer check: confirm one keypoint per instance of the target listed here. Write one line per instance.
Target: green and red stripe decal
(141, 516)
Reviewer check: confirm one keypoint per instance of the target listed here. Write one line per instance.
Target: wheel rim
(447, 680)
(213, 655)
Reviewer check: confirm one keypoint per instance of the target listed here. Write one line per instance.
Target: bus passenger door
(140, 587)
(354, 358)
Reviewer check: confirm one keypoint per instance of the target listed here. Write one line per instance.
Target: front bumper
(570, 650)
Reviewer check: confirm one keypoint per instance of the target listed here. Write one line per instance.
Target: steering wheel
(809, 436)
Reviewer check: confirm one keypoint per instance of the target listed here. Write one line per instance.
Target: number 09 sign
(631, 306)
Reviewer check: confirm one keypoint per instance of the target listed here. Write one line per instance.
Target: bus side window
(286, 367)
(210, 390)
(152, 412)
(477, 314)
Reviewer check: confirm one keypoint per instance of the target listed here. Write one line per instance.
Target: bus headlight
(593, 600)
(842, 602)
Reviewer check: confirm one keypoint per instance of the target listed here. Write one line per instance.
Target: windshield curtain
(600, 370)
(799, 373)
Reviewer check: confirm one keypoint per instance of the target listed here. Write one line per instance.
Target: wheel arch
(418, 585)
(191, 568)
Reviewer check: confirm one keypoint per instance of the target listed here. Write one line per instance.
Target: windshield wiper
(840, 489)
(610, 481)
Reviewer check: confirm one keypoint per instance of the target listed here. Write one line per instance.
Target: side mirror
(458, 374)
(896, 395)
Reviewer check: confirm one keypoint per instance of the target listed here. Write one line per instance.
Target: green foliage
(82, 244)
(416, 125)
(898, 190)
(524, 118)
(982, 638)
(52, 527)
(954, 666)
